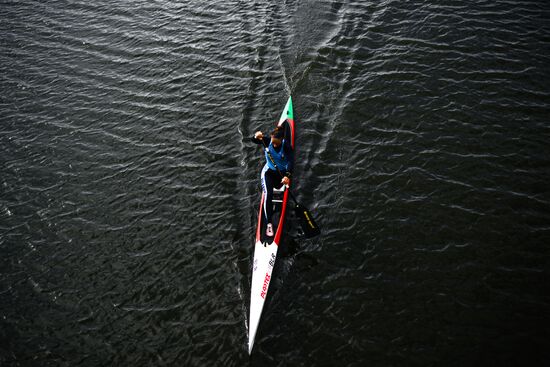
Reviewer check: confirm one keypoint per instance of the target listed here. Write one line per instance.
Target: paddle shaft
(308, 223)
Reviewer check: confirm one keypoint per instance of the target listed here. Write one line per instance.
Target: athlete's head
(277, 136)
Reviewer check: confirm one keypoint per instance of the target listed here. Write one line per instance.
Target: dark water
(128, 191)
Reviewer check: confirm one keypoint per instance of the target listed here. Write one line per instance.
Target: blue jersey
(283, 155)
(279, 157)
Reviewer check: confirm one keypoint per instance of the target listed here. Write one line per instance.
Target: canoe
(265, 248)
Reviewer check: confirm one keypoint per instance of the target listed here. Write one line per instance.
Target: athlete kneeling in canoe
(282, 154)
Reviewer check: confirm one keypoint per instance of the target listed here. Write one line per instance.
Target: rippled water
(129, 190)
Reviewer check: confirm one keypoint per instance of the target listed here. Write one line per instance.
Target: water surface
(128, 189)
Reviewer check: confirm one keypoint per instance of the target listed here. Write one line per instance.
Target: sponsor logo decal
(308, 220)
(266, 284)
(267, 278)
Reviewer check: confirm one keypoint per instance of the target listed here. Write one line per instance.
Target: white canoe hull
(264, 260)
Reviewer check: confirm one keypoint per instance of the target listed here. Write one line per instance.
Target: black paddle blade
(310, 228)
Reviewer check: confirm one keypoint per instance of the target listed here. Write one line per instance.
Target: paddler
(282, 154)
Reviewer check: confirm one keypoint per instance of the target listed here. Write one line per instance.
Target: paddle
(308, 224)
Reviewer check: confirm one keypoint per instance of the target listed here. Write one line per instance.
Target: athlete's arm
(259, 137)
